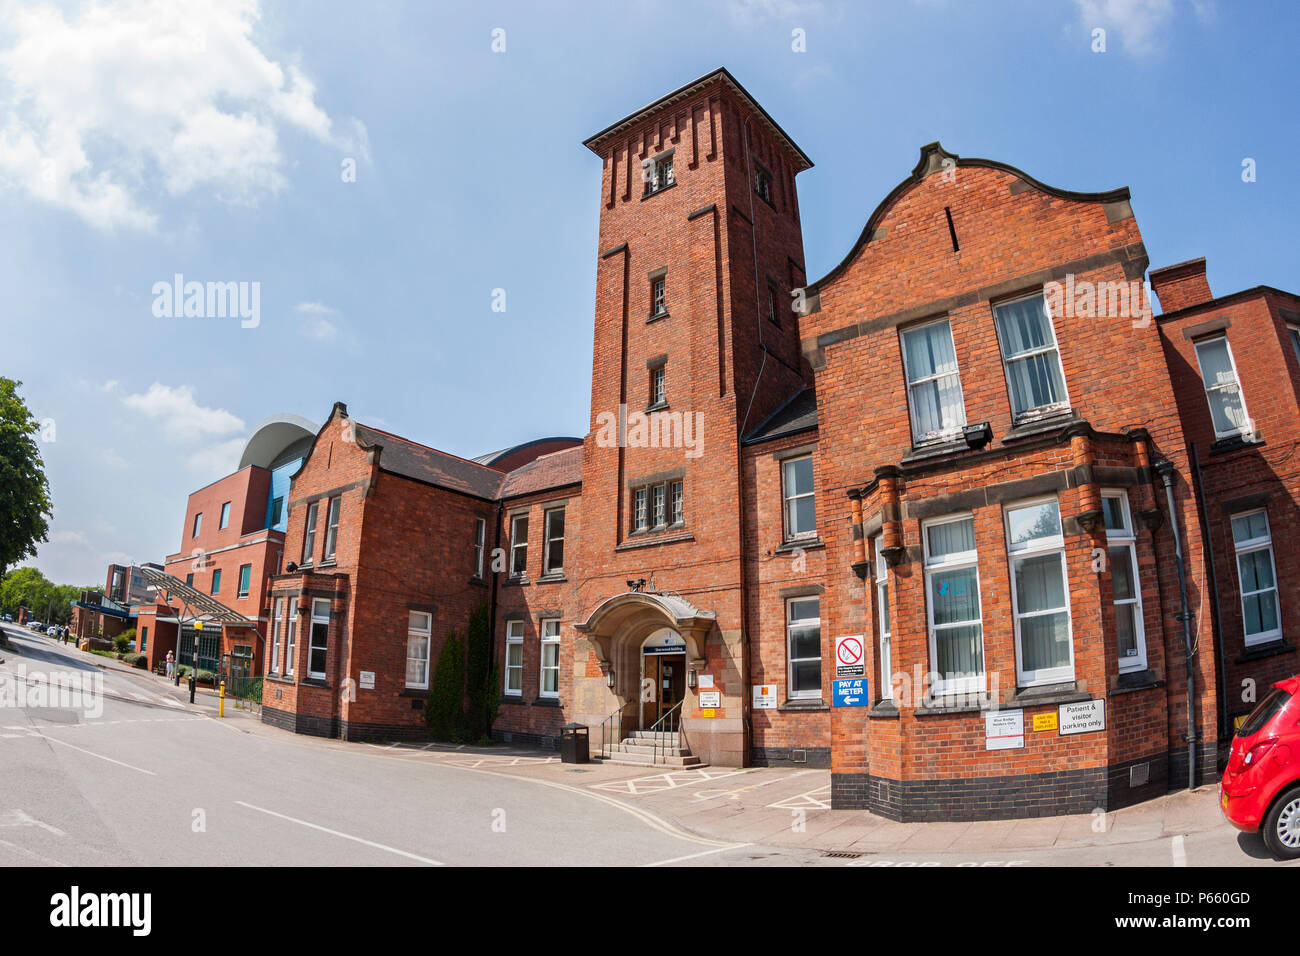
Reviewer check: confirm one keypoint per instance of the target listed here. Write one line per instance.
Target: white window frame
(790, 625)
(514, 638)
(332, 514)
(883, 622)
(419, 625)
(946, 433)
(1248, 427)
(291, 637)
(223, 521)
(677, 502)
(787, 498)
(658, 386)
(658, 506)
(1032, 549)
(312, 646)
(517, 546)
(1038, 411)
(659, 173)
(480, 542)
(970, 684)
(241, 590)
(549, 642)
(641, 509)
(309, 535)
(277, 630)
(1126, 538)
(1250, 546)
(659, 296)
(548, 538)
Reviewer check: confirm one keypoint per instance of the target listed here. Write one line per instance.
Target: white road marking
(19, 818)
(695, 856)
(48, 860)
(818, 799)
(345, 836)
(664, 781)
(1180, 851)
(91, 753)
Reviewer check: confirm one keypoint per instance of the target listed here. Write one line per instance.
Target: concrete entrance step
(648, 760)
(645, 747)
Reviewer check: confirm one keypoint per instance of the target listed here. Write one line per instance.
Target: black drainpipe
(1165, 469)
(1221, 668)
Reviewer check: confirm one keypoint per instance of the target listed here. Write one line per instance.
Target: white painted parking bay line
(345, 836)
(91, 753)
(1180, 851)
(694, 856)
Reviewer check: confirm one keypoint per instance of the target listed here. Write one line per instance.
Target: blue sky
(139, 140)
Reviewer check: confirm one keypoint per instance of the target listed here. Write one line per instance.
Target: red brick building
(232, 542)
(1235, 366)
(911, 521)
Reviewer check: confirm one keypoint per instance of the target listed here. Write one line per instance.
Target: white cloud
(180, 415)
(1140, 25)
(129, 98)
(316, 325)
(110, 458)
(218, 460)
(754, 11)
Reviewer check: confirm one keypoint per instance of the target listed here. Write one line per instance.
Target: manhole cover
(841, 854)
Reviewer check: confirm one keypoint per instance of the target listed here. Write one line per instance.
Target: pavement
(590, 814)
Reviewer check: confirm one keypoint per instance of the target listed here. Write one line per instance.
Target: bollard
(221, 700)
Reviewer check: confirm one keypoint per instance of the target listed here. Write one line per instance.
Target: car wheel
(1281, 828)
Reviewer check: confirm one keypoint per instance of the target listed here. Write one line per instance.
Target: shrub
(123, 641)
(136, 660)
(444, 711)
(479, 685)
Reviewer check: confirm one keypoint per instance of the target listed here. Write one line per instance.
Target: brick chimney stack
(1181, 285)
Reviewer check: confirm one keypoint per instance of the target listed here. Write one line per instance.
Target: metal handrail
(667, 724)
(614, 720)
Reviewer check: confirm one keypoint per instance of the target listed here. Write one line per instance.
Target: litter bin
(574, 744)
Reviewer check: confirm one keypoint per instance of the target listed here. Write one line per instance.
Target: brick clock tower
(696, 343)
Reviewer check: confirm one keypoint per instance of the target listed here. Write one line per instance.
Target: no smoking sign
(848, 656)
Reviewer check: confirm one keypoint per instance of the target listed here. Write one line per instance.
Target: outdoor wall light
(978, 435)
(691, 679)
(609, 677)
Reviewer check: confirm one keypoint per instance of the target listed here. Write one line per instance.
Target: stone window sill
(656, 316)
(799, 544)
(648, 539)
(656, 192)
(511, 699)
(547, 702)
(1066, 692)
(552, 578)
(803, 703)
(1256, 652)
(521, 581)
(1037, 426)
(884, 710)
(413, 692)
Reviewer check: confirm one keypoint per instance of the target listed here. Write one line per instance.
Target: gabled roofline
(690, 89)
(1218, 302)
(935, 158)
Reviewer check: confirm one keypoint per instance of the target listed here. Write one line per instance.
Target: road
(144, 779)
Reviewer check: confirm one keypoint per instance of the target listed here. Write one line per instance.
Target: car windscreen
(1266, 711)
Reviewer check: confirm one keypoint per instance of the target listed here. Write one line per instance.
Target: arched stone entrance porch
(616, 631)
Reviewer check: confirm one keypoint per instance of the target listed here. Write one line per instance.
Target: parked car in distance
(35, 625)
(1260, 792)
(9, 618)
(53, 630)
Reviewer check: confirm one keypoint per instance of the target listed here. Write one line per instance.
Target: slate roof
(555, 470)
(401, 456)
(798, 414)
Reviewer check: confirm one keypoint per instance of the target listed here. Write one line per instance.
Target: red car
(1261, 786)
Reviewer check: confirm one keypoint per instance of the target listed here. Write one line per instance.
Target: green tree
(444, 711)
(24, 491)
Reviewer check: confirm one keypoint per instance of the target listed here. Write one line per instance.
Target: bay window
(955, 621)
(1039, 593)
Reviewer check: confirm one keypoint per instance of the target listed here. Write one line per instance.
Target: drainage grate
(840, 855)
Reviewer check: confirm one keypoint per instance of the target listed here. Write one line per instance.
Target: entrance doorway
(663, 675)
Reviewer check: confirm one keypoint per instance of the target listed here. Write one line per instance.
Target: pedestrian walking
(171, 664)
